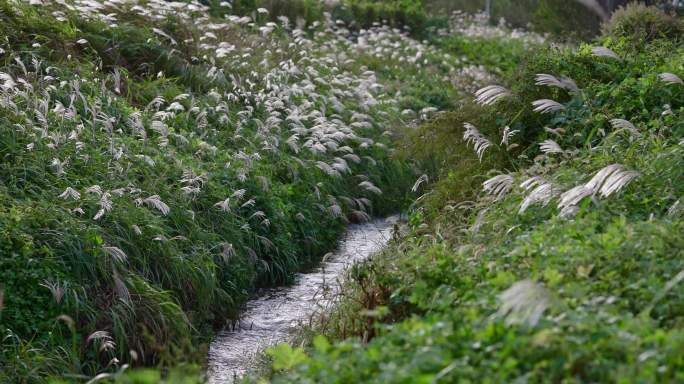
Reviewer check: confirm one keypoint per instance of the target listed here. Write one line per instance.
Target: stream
(271, 318)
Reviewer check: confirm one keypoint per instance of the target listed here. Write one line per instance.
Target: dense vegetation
(548, 247)
(159, 161)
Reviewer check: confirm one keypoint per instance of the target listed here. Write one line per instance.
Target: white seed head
(547, 106)
(604, 52)
(508, 134)
(116, 253)
(70, 193)
(491, 94)
(370, 187)
(498, 186)
(524, 303)
(566, 83)
(473, 136)
(550, 146)
(626, 125)
(670, 78)
(542, 194)
(156, 202)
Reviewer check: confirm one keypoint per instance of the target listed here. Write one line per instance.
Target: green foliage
(637, 23)
(158, 282)
(500, 56)
(431, 307)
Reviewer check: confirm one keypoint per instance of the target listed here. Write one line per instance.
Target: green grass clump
(638, 23)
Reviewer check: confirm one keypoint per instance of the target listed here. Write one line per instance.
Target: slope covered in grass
(554, 253)
(161, 160)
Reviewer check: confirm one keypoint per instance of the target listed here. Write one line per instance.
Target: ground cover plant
(547, 246)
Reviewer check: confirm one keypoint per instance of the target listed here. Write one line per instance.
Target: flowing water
(270, 318)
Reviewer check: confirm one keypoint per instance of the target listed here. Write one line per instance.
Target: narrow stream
(270, 318)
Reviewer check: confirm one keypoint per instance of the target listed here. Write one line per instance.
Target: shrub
(637, 23)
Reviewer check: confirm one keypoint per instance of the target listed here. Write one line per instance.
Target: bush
(637, 23)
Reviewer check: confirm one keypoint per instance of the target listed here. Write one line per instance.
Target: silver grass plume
(491, 94)
(223, 205)
(566, 83)
(524, 303)
(70, 193)
(370, 187)
(617, 180)
(626, 125)
(547, 106)
(473, 136)
(422, 179)
(550, 146)
(115, 253)
(607, 181)
(541, 192)
(56, 289)
(674, 209)
(155, 201)
(611, 179)
(508, 135)
(670, 78)
(604, 52)
(103, 338)
(573, 196)
(498, 186)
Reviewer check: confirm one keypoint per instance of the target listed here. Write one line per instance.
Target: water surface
(270, 318)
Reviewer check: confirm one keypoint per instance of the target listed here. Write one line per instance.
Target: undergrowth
(547, 247)
(160, 161)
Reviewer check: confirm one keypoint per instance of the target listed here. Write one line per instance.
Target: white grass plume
(491, 94)
(573, 196)
(547, 106)
(626, 125)
(670, 78)
(473, 136)
(550, 146)
(542, 192)
(617, 180)
(422, 179)
(508, 135)
(524, 303)
(370, 187)
(223, 205)
(607, 181)
(498, 186)
(566, 83)
(115, 253)
(56, 289)
(605, 52)
(611, 179)
(156, 202)
(70, 193)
